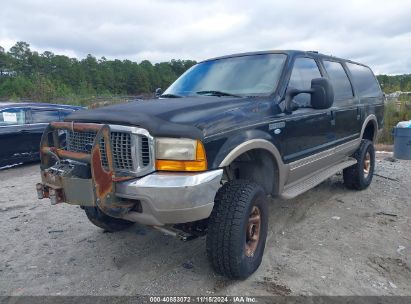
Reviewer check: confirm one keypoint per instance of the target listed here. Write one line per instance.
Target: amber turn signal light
(199, 164)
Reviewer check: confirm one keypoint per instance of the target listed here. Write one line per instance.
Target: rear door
(345, 114)
(13, 136)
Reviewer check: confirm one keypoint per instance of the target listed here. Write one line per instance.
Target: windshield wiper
(216, 93)
(171, 96)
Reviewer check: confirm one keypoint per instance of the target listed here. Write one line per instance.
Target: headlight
(180, 154)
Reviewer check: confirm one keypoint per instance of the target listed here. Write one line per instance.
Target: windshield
(250, 75)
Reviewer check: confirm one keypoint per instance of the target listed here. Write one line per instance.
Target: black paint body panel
(21, 142)
(223, 123)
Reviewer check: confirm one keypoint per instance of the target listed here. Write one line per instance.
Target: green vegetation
(90, 81)
(48, 77)
(395, 111)
(390, 84)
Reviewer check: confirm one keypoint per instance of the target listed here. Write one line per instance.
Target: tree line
(27, 74)
(390, 84)
(44, 77)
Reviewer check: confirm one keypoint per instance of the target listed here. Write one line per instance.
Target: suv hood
(191, 117)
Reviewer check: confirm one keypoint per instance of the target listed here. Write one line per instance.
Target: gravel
(328, 241)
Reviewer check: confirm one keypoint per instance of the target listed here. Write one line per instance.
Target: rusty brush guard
(60, 186)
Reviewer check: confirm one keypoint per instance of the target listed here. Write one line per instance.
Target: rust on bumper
(60, 188)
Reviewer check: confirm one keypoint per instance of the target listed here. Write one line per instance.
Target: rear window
(364, 81)
(44, 116)
(339, 80)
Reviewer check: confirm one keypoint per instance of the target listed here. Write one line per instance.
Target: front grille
(145, 151)
(123, 144)
(81, 142)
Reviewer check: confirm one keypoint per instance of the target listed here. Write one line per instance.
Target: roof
(38, 105)
(314, 54)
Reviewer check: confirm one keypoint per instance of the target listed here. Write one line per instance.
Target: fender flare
(370, 118)
(263, 144)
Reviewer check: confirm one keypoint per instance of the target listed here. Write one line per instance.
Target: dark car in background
(21, 127)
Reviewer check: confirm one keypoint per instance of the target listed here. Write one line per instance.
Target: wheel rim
(367, 164)
(253, 231)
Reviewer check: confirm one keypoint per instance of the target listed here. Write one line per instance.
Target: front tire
(359, 176)
(237, 229)
(102, 220)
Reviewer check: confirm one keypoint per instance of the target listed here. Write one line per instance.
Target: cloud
(377, 33)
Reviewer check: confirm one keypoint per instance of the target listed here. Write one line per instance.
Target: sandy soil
(328, 241)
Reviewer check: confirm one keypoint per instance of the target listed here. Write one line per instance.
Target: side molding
(254, 144)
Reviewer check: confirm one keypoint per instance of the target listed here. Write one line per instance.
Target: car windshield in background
(249, 75)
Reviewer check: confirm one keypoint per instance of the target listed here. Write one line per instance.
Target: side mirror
(322, 95)
(158, 92)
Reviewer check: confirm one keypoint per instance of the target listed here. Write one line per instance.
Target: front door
(308, 131)
(40, 118)
(13, 136)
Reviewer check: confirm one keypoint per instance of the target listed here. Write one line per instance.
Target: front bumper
(171, 198)
(158, 198)
(163, 198)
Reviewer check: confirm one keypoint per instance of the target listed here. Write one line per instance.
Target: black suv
(204, 157)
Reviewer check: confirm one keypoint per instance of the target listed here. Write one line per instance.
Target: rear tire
(359, 176)
(103, 221)
(237, 229)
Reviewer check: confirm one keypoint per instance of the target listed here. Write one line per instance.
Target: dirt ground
(328, 241)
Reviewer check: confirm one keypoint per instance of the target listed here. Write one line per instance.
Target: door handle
(358, 113)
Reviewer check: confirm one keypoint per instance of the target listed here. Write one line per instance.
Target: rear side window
(364, 81)
(12, 117)
(339, 80)
(44, 116)
(304, 70)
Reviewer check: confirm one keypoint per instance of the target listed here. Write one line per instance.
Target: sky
(376, 33)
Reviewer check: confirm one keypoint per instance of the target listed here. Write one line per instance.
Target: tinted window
(364, 81)
(12, 117)
(40, 116)
(339, 80)
(304, 70)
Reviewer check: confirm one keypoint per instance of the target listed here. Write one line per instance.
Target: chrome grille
(131, 152)
(121, 144)
(81, 142)
(145, 150)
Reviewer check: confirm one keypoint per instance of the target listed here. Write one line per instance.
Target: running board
(315, 179)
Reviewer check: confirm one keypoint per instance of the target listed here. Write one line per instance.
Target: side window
(44, 116)
(12, 117)
(339, 80)
(304, 70)
(364, 81)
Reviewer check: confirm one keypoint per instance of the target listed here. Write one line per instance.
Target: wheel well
(256, 165)
(369, 131)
